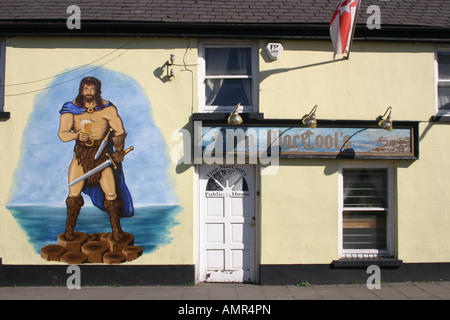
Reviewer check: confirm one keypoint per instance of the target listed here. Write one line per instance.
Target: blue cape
(69, 107)
(94, 191)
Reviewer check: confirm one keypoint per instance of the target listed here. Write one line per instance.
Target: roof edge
(312, 31)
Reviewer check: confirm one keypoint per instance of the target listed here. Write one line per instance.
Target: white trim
(202, 76)
(257, 212)
(436, 82)
(390, 211)
(440, 48)
(366, 209)
(229, 77)
(199, 215)
(197, 222)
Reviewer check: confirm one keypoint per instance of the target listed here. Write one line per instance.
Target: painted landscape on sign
(307, 141)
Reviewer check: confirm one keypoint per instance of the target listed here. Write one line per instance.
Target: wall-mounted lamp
(309, 120)
(170, 73)
(234, 117)
(386, 124)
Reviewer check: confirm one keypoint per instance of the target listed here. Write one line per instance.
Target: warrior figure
(88, 120)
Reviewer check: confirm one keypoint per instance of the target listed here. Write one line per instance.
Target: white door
(227, 223)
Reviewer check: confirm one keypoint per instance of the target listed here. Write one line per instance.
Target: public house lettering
(310, 140)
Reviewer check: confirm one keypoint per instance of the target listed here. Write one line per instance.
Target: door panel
(227, 226)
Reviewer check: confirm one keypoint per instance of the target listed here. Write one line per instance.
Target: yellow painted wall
(172, 102)
(376, 76)
(424, 199)
(298, 204)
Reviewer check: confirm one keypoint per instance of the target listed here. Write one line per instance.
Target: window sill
(224, 116)
(354, 263)
(5, 115)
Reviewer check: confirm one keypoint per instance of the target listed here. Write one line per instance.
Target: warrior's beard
(88, 98)
(81, 100)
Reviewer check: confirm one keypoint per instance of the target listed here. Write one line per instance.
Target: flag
(342, 24)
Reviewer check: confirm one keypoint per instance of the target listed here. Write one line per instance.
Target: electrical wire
(60, 83)
(189, 70)
(63, 73)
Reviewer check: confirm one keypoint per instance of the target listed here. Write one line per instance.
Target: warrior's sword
(98, 168)
(102, 145)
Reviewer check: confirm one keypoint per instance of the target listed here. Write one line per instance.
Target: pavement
(233, 292)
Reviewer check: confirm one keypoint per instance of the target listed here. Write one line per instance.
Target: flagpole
(353, 29)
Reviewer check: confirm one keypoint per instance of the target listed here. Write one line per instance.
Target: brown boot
(113, 207)
(73, 210)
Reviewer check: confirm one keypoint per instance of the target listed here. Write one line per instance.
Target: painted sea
(150, 225)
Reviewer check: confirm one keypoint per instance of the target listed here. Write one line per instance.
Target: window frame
(390, 213)
(439, 49)
(2, 73)
(202, 75)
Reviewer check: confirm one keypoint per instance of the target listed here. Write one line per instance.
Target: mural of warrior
(97, 129)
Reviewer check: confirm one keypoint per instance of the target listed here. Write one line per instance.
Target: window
(228, 77)
(366, 214)
(443, 85)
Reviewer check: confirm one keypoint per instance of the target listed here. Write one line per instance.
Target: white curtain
(244, 60)
(444, 78)
(217, 64)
